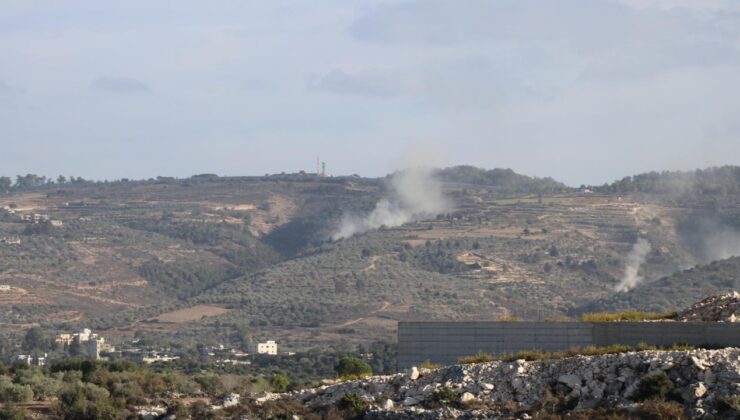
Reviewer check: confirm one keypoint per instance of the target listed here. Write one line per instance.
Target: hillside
(232, 259)
(676, 291)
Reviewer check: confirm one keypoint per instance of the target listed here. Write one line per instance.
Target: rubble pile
(700, 378)
(722, 308)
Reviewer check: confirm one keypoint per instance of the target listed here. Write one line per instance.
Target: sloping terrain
(676, 291)
(259, 249)
(699, 382)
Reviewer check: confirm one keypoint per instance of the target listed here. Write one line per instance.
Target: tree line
(29, 181)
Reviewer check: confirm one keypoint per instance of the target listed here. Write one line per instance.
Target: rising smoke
(709, 237)
(635, 259)
(415, 195)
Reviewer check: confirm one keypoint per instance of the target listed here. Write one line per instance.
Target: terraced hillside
(211, 259)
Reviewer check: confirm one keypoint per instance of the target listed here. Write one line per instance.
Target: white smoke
(415, 195)
(635, 259)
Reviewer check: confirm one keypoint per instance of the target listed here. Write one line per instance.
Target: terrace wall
(445, 342)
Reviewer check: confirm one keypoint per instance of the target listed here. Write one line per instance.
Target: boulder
(573, 381)
(467, 397)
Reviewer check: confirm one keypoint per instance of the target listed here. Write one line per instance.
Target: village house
(268, 348)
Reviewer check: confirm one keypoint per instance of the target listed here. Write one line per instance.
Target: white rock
(388, 404)
(231, 400)
(466, 397)
(409, 401)
(698, 362)
(487, 386)
(413, 373)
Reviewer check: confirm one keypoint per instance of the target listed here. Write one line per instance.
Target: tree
(29, 181)
(5, 184)
(87, 401)
(35, 339)
(352, 366)
(279, 383)
(61, 179)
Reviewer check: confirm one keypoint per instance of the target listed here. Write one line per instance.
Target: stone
(409, 401)
(413, 373)
(698, 362)
(388, 404)
(571, 380)
(694, 392)
(487, 386)
(231, 400)
(466, 397)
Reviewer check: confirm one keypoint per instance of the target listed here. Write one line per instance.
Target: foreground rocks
(722, 308)
(699, 379)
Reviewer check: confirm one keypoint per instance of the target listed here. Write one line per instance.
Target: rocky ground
(700, 380)
(721, 308)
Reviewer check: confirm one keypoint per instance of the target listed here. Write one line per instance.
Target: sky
(585, 91)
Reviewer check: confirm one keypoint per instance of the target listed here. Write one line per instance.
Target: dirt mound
(722, 308)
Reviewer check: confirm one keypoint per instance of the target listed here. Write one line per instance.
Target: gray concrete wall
(445, 342)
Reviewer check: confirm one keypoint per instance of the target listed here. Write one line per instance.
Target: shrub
(628, 315)
(477, 358)
(352, 405)
(279, 383)
(14, 393)
(352, 366)
(427, 364)
(11, 412)
(443, 395)
(654, 386)
(86, 401)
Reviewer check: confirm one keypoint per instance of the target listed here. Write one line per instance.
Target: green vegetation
(501, 180)
(628, 315)
(353, 367)
(676, 291)
(352, 405)
(429, 365)
(655, 386)
(441, 396)
(279, 383)
(477, 358)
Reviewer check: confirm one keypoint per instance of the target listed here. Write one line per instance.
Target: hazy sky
(585, 91)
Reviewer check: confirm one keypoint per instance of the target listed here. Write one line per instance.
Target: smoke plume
(635, 259)
(415, 195)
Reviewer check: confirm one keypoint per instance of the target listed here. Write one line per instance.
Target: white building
(269, 348)
(92, 344)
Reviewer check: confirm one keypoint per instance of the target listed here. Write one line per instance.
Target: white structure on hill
(268, 347)
(89, 343)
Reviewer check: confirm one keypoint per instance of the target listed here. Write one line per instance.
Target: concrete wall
(445, 342)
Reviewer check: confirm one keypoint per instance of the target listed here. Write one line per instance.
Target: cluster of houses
(87, 342)
(41, 218)
(29, 359)
(93, 346)
(222, 356)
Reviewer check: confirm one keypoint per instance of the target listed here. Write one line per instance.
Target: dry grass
(191, 314)
(628, 315)
(477, 358)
